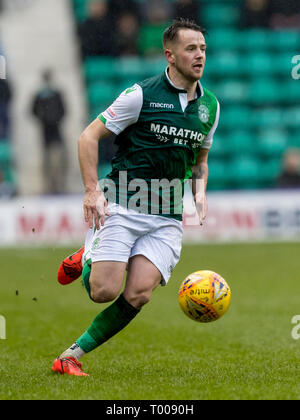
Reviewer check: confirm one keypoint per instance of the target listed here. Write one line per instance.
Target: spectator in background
(127, 32)
(48, 107)
(284, 14)
(290, 175)
(187, 9)
(7, 189)
(118, 8)
(157, 14)
(5, 99)
(155, 10)
(255, 13)
(96, 33)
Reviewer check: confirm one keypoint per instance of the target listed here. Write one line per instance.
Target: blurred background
(65, 62)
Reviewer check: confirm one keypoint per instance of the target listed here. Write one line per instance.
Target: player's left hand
(201, 206)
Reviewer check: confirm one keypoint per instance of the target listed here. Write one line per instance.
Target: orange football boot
(71, 268)
(68, 366)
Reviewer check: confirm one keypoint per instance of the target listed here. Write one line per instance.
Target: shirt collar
(199, 89)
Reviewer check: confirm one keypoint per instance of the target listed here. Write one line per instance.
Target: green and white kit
(159, 136)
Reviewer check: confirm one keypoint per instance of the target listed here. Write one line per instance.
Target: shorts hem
(113, 259)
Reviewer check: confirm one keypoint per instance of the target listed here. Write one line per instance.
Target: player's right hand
(95, 208)
(201, 206)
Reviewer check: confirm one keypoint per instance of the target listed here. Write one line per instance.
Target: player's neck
(182, 83)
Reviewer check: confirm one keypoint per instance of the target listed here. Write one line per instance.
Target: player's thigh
(162, 247)
(106, 280)
(142, 278)
(109, 250)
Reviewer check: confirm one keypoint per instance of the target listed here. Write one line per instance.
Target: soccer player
(164, 127)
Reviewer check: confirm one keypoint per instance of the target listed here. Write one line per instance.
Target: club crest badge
(203, 113)
(96, 244)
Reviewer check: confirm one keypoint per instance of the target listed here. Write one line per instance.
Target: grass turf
(248, 354)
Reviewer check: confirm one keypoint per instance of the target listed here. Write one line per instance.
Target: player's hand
(201, 206)
(95, 208)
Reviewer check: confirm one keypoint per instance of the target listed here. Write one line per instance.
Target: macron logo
(161, 105)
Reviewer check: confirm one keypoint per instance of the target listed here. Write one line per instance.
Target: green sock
(86, 272)
(108, 323)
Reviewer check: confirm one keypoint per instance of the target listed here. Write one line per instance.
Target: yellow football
(204, 296)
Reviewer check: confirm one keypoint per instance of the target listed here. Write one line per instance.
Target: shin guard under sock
(108, 323)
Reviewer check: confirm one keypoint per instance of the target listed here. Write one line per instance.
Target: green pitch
(248, 354)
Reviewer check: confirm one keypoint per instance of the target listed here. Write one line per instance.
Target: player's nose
(200, 53)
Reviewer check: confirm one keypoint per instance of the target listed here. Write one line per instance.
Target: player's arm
(200, 171)
(122, 113)
(94, 202)
(199, 183)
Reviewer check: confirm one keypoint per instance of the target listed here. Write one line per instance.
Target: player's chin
(200, 72)
(197, 73)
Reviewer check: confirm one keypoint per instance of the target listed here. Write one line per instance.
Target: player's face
(188, 54)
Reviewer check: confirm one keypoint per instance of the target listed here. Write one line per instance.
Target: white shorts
(127, 233)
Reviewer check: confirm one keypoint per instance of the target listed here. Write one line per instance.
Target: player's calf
(143, 277)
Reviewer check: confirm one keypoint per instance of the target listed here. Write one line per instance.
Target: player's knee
(138, 299)
(103, 294)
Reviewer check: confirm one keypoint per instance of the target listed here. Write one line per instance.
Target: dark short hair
(171, 32)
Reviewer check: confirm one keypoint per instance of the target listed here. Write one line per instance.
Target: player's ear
(169, 55)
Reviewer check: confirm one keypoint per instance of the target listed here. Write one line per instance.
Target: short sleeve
(208, 141)
(125, 110)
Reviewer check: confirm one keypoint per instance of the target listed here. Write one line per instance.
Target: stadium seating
(6, 164)
(244, 172)
(220, 14)
(5, 152)
(271, 142)
(99, 68)
(248, 70)
(218, 174)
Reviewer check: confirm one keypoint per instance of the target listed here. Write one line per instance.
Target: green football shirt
(159, 136)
